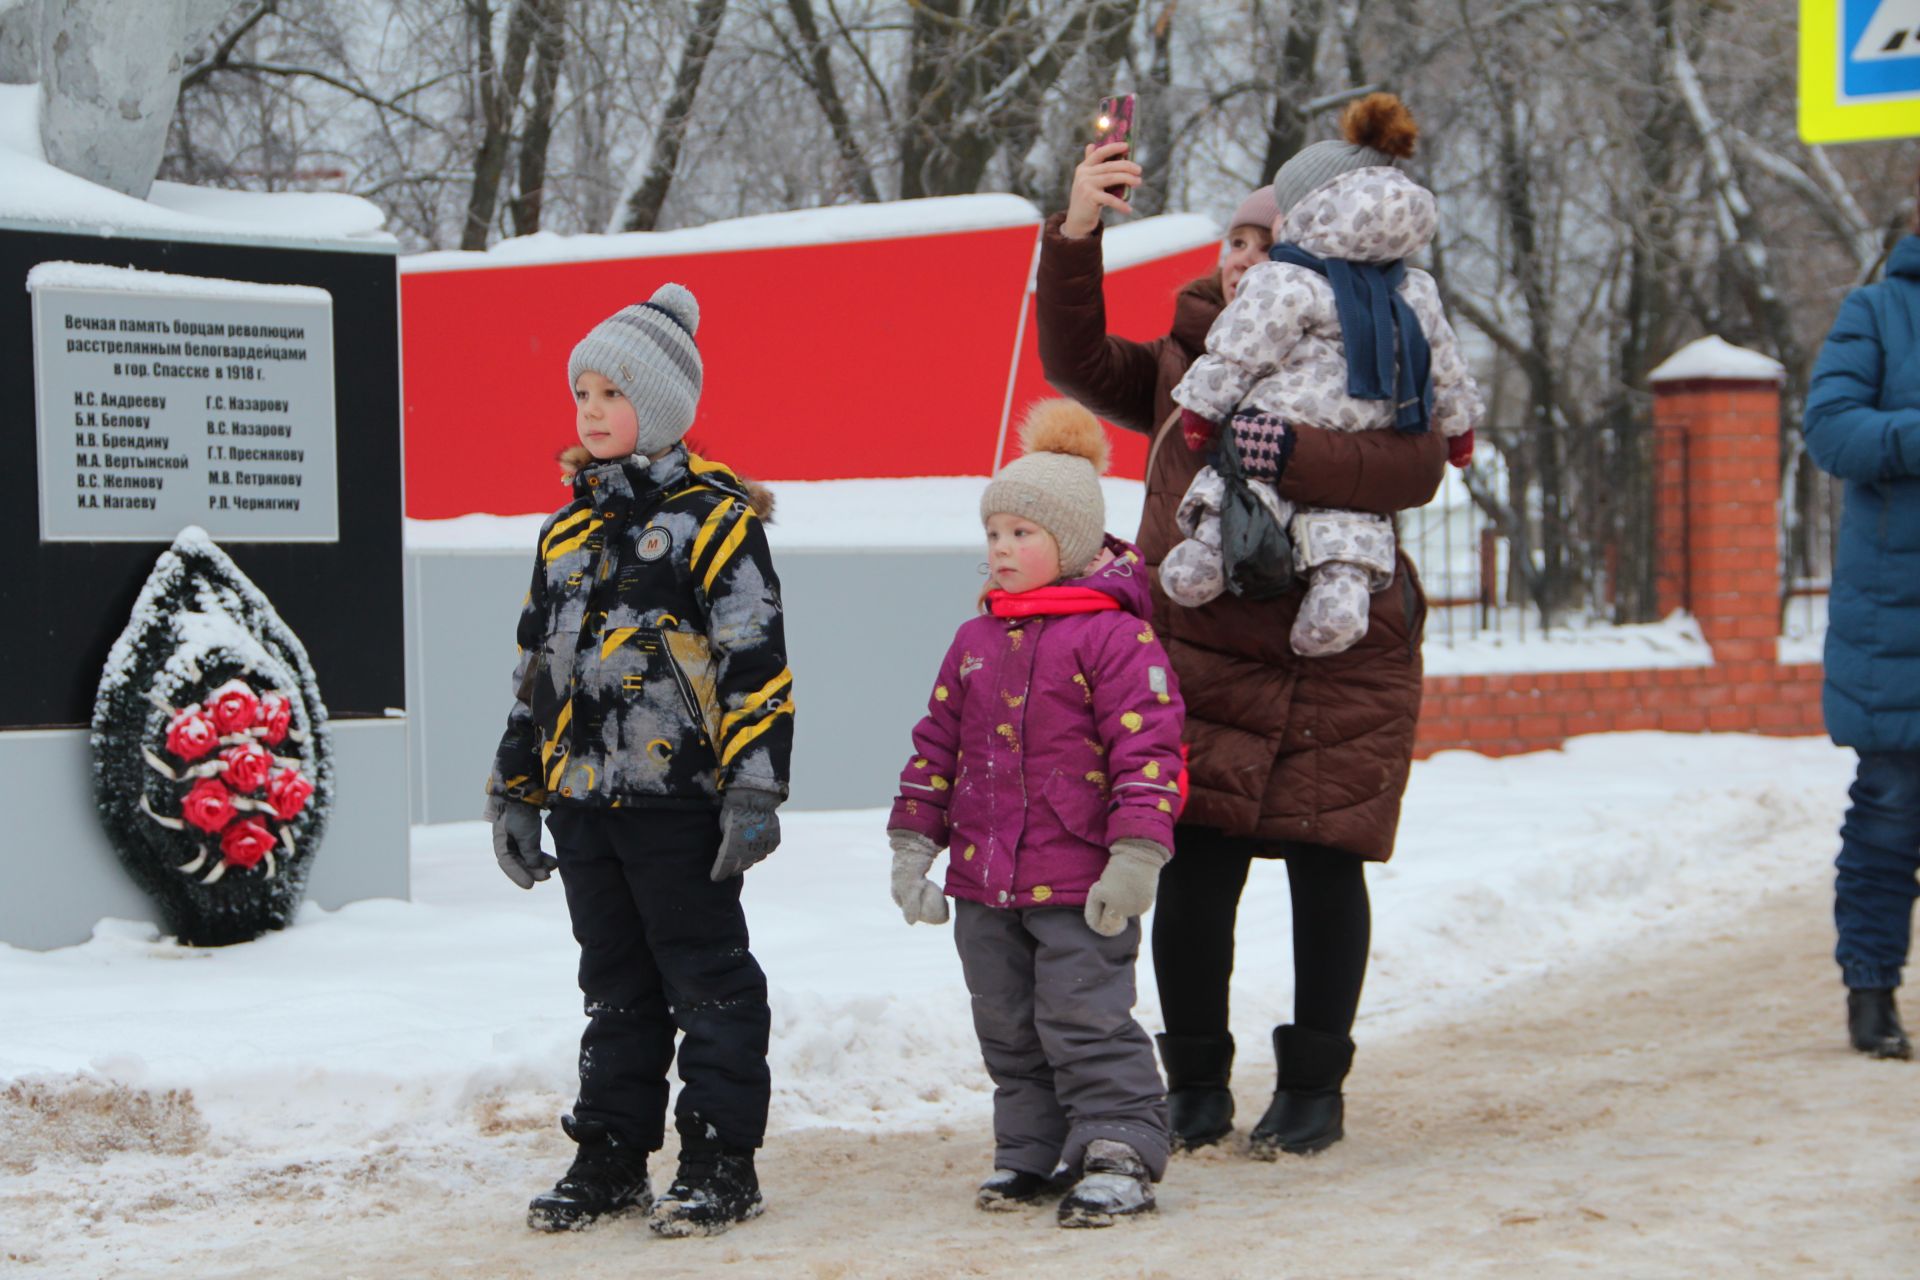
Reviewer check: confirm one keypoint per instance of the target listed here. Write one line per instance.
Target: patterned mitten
(1264, 443)
(1194, 572)
(1333, 614)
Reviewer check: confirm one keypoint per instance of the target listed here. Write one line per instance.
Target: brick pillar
(1716, 423)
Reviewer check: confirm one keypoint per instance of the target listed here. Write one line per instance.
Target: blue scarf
(1372, 314)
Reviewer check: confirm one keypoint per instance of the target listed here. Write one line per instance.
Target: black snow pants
(662, 947)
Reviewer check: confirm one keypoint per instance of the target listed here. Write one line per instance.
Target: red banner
(865, 358)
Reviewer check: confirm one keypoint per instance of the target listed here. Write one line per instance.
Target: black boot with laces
(714, 1189)
(607, 1177)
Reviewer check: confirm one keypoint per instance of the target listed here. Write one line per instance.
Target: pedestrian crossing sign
(1859, 70)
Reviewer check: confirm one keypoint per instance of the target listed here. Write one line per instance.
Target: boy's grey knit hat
(1314, 166)
(647, 350)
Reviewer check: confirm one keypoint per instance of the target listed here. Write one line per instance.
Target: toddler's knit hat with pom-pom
(1379, 130)
(1055, 482)
(647, 350)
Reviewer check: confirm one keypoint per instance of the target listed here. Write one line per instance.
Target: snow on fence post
(1716, 423)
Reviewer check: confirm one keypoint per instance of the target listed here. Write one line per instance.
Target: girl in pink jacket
(1049, 765)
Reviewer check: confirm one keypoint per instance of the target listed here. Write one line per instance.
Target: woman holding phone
(1301, 759)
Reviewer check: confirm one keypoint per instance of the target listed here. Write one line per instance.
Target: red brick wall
(1717, 482)
(1502, 715)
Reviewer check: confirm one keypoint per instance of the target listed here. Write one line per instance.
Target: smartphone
(1115, 124)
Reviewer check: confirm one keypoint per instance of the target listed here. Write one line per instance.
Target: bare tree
(643, 206)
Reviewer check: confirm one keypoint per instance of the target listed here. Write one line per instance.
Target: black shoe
(1874, 1025)
(714, 1189)
(1114, 1183)
(1308, 1111)
(1010, 1189)
(1199, 1103)
(607, 1177)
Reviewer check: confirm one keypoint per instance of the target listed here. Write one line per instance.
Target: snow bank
(932, 513)
(1676, 642)
(36, 192)
(391, 1022)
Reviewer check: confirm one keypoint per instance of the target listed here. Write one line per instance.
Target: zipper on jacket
(656, 643)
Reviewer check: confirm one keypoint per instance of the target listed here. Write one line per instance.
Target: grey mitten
(516, 841)
(919, 899)
(749, 830)
(1125, 889)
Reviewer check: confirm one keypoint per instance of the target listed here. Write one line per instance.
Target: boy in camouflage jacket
(653, 718)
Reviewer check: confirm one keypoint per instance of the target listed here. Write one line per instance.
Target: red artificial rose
(190, 734)
(288, 793)
(247, 766)
(276, 717)
(246, 842)
(207, 806)
(234, 707)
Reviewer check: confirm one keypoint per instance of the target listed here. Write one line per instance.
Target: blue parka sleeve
(1847, 432)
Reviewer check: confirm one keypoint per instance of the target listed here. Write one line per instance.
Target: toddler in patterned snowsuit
(1281, 353)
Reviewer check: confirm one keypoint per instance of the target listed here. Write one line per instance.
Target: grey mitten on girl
(919, 899)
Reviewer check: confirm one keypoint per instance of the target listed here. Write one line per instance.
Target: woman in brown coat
(1303, 759)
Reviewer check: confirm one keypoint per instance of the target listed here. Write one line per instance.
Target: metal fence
(1498, 558)
(1810, 506)
(1503, 554)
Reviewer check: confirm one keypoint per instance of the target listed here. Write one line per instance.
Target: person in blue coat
(1862, 424)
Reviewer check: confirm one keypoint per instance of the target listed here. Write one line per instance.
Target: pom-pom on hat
(647, 350)
(1055, 482)
(1379, 130)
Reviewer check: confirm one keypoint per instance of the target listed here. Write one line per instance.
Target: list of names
(168, 400)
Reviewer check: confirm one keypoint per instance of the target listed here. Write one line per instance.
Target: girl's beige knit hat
(1055, 482)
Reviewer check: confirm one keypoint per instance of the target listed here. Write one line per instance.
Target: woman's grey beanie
(1314, 166)
(647, 350)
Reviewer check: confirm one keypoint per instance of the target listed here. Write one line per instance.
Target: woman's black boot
(1199, 1103)
(1307, 1108)
(1873, 1024)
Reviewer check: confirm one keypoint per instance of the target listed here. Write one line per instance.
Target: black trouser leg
(1332, 934)
(628, 1042)
(694, 938)
(1193, 920)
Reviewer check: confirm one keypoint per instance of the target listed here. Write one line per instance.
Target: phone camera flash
(1106, 122)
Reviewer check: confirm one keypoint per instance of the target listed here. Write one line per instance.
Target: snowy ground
(165, 1110)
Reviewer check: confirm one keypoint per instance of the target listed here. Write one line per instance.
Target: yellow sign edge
(1822, 117)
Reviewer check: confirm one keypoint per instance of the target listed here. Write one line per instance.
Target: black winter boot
(1006, 1190)
(714, 1189)
(1307, 1108)
(1874, 1025)
(607, 1176)
(1199, 1103)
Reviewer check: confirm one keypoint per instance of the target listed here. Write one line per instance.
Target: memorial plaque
(167, 400)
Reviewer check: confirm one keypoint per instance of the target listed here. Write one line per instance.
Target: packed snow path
(1668, 1095)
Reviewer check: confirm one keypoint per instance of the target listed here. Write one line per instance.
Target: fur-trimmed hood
(575, 458)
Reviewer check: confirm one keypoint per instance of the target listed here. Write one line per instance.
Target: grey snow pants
(1053, 1007)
